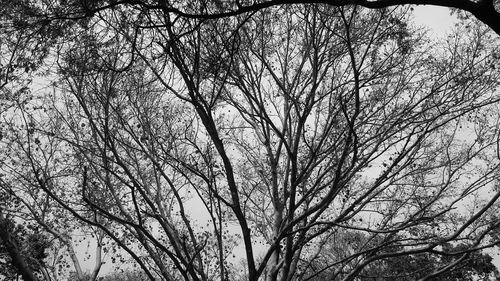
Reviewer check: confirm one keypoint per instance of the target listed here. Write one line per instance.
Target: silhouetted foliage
(30, 244)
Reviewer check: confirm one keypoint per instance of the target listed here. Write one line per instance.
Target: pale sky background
(437, 19)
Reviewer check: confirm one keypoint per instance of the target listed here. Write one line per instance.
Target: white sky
(437, 19)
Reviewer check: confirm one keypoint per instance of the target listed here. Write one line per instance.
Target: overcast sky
(437, 19)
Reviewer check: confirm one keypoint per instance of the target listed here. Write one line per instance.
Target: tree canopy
(220, 140)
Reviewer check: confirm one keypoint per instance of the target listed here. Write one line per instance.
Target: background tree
(22, 139)
(477, 266)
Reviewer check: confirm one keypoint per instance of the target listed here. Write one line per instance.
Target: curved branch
(483, 10)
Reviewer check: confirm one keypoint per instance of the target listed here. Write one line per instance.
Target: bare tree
(272, 133)
(333, 140)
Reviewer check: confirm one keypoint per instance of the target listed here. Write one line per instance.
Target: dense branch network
(327, 143)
